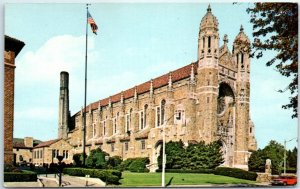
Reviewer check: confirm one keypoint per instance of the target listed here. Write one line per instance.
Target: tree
(275, 28)
(292, 158)
(194, 156)
(96, 159)
(273, 151)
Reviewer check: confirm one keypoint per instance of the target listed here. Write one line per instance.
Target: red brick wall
(9, 69)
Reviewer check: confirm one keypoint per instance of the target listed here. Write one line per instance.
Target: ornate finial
(135, 93)
(151, 87)
(122, 97)
(225, 39)
(170, 81)
(109, 102)
(192, 74)
(99, 105)
(208, 9)
(90, 108)
(242, 28)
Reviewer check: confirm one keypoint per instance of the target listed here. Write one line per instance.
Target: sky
(135, 42)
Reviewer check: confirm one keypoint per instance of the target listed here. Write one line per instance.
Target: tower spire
(208, 8)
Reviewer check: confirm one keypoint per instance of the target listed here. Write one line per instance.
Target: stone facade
(46, 152)
(22, 149)
(12, 48)
(206, 100)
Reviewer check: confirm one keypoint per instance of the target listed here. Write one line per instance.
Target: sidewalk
(52, 181)
(70, 181)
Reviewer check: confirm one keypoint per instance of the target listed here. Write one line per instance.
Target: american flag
(93, 24)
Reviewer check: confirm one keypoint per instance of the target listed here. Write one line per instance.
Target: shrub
(96, 159)
(24, 176)
(237, 173)
(109, 176)
(208, 171)
(125, 164)
(114, 162)
(138, 165)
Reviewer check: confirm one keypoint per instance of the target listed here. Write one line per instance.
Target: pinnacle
(242, 28)
(208, 9)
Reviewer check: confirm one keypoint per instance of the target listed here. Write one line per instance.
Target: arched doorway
(155, 154)
(226, 121)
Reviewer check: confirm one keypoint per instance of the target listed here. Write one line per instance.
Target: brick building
(206, 100)
(11, 50)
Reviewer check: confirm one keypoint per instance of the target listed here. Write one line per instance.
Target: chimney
(28, 142)
(63, 117)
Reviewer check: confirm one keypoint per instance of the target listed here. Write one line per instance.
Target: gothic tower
(207, 77)
(241, 56)
(63, 116)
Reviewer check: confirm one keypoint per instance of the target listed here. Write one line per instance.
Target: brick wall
(9, 58)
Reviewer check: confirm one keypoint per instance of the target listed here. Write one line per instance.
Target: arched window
(203, 44)
(209, 41)
(162, 107)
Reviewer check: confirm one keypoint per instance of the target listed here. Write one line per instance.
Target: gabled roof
(179, 74)
(46, 143)
(19, 143)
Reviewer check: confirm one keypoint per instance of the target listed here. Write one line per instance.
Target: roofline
(132, 88)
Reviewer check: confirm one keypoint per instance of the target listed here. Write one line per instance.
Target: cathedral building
(206, 100)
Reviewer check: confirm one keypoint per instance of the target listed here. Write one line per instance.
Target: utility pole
(284, 157)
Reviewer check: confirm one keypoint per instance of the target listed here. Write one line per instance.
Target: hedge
(208, 171)
(108, 176)
(25, 176)
(235, 172)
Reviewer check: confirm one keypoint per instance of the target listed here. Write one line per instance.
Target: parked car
(284, 180)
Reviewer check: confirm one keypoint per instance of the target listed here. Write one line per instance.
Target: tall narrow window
(64, 153)
(126, 146)
(209, 41)
(203, 44)
(57, 153)
(158, 116)
(112, 147)
(127, 123)
(163, 103)
(104, 128)
(142, 120)
(237, 58)
(145, 114)
(67, 154)
(143, 145)
(242, 58)
(115, 125)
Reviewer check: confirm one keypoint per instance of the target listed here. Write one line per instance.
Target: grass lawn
(154, 179)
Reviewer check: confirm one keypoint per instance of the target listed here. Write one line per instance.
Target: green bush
(24, 176)
(234, 172)
(125, 164)
(139, 165)
(114, 162)
(96, 159)
(108, 176)
(208, 171)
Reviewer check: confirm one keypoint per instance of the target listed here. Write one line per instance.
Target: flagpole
(85, 84)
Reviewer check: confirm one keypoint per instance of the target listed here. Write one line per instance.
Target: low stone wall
(263, 177)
